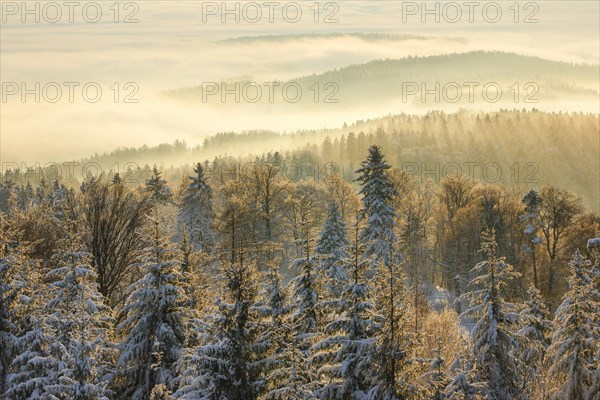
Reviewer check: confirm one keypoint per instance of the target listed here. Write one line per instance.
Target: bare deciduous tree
(112, 215)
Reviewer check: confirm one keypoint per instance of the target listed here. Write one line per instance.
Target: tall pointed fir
(572, 372)
(41, 191)
(495, 365)
(306, 318)
(287, 373)
(78, 320)
(196, 211)
(331, 250)
(196, 285)
(393, 339)
(274, 309)
(378, 194)
(393, 371)
(157, 188)
(155, 318)
(226, 366)
(535, 331)
(306, 297)
(291, 375)
(344, 355)
(299, 331)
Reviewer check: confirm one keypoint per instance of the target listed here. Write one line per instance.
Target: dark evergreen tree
(196, 211)
(331, 249)
(157, 188)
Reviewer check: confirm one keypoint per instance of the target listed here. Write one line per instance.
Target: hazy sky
(171, 46)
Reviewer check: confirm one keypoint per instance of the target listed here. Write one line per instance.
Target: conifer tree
(572, 372)
(78, 320)
(196, 211)
(12, 261)
(494, 362)
(393, 377)
(378, 193)
(155, 316)
(331, 249)
(306, 296)
(436, 377)
(157, 188)
(285, 367)
(535, 332)
(344, 355)
(229, 364)
(292, 376)
(37, 369)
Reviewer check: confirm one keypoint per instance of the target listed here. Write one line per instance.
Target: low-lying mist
(171, 47)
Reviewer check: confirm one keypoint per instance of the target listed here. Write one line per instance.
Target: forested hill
(530, 148)
(522, 80)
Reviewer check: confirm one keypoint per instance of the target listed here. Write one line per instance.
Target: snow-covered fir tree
(460, 388)
(286, 369)
(393, 338)
(303, 328)
(41, 191)
(43, 363)
(36, 371)
(436, 377)
(288, 373)
(155, 316)
(157, 187)
(344, 355)
(32, 355)
(495, 362)
(306, 298)
(11, 287)
(535, 331)
(34, 359)
(78, 320)
(228, 366)
(275, 294)
(378, 193)
(392, 373)
(331, 248)
(571, 357)
(196, 210)
(196, 286)
(291, 375)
